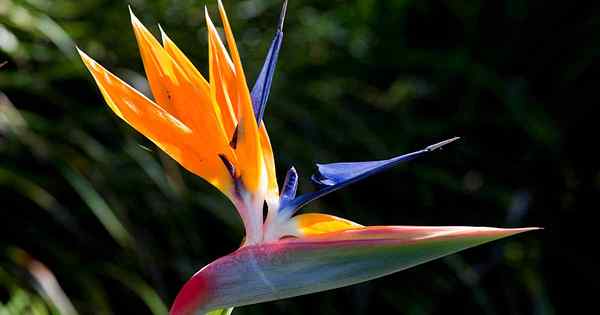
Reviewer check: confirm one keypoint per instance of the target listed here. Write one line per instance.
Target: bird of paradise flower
(215, 129)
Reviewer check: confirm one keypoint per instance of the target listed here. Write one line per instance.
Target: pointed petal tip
(135, 22)
(209, 22)
(163, 35)
(440, 144)
(87, 60)
(221, 7)
(491, 232)
(526, 229)
(80, 52)
(132, 16)
(282, 16)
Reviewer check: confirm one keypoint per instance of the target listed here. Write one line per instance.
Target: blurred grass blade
(10, 118)
(56, 34)
(98, 206)
(94, 293)
(12, 123)
(47, 284)
(9, 43)
(141, 288)
(152, 168)
(36, 23)
(39, 196)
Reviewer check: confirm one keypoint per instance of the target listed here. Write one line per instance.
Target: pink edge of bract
(190, 295)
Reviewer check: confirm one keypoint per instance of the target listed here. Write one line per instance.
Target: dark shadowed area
(95, 213)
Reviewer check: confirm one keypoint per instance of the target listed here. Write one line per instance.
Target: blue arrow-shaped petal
(334, 176)
(262, 87)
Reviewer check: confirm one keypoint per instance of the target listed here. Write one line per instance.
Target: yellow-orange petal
(159, 68)
(183, 61)
(222, 79)
(318, 223)
(248, 150)
(272, 187)
(235, 55)
(177, 92)
(166, 131)
(223, 109)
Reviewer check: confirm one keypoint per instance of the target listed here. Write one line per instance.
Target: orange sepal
(166, 131)
(176, 92)
(183, 61)
(248, 150)
(223, 88)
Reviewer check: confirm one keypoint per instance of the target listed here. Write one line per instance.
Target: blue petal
(335, 173)
(334, 176)
(260, 91)
(290, 185)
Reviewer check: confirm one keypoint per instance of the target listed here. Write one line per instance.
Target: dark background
(122, 226)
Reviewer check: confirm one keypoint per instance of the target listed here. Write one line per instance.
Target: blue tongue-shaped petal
(262, 87)
(334, 176)
(290, 185)
(334, 173)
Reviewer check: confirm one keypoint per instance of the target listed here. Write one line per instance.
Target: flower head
(214, 128)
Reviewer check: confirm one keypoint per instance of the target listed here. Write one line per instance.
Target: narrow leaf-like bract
(298, 266)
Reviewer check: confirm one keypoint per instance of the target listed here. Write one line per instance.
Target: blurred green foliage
(120, 226)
